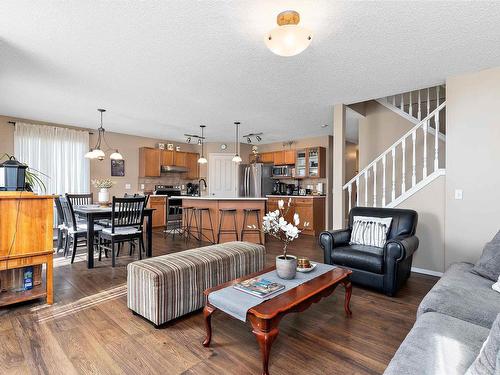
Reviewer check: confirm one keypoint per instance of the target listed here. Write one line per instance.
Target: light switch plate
(128, 187)
(459, 194)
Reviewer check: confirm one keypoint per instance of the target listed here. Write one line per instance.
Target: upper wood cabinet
(167, 157)
(149, 162)
(267, 157)
(279, 158)
(289, 156)
(316, 162)
(192, 166)
(180, 159)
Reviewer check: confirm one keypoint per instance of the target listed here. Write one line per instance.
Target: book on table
(259, 287)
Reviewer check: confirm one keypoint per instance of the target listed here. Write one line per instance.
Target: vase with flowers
(275, 225)
(103, 185)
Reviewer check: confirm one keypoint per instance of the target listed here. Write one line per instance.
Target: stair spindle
(437, 96)
(366, 188)
(428, 102)
(410, 108)
(349, 189)
(357, 191)
(394, 100)
(383, 180)
(424, 169)
(436, 142)
(403, 176)
(414, 162)
(402, 102)
(419, 106)
(393, 195)
(375, 185)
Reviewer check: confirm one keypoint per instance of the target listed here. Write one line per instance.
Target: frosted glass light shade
(288, 40)
(202, 160)
(90, 154)
(99, 154)
(237, 159)
(116, 156)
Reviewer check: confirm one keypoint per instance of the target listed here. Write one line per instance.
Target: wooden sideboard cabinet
(311, 209)
(159, 204)
(26, 240)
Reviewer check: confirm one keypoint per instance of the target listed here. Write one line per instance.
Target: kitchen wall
(472, 162)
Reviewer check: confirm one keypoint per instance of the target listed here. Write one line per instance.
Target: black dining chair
(76, 231)
(81, 199)
(127, 218)
(61, 227)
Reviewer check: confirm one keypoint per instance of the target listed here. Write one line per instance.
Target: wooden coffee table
(266, 316)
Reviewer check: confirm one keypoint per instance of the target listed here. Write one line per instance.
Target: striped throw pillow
(370, 231)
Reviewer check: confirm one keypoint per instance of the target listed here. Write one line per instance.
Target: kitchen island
(214, 205)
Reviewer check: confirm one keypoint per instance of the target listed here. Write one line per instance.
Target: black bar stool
(186, 223)
(228, 211)
(197, 213)
(245, 229)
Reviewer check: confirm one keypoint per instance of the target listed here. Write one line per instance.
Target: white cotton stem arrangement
(275, 225)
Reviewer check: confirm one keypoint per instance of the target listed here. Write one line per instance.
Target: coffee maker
(279, 188)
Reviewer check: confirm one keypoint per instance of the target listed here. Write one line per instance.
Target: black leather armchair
(385, 269)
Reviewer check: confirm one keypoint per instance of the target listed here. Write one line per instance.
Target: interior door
(222, 176)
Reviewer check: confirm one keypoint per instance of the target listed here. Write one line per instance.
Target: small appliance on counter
(192, 189)
(320, 188)
(289, 189)
(279, 188)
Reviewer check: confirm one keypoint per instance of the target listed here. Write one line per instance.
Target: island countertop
(224, 199)
(297, 196)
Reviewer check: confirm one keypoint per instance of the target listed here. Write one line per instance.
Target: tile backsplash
(174, 179)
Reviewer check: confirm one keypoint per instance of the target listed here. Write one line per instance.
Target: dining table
(93, 213)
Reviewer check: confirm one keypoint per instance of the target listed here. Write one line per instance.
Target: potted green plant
(19, 176)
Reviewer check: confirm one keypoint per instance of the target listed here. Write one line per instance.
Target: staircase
(413, 161)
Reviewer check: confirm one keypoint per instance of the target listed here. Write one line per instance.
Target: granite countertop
(226, 199)
(296, 196)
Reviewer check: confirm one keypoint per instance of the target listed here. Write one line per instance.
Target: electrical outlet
(128, 187)
(142, 186)
(459, 194)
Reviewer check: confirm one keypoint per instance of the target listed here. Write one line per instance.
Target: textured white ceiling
(161, 68)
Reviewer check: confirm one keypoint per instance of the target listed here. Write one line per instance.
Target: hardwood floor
(89, 329)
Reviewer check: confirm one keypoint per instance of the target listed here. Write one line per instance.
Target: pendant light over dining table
(97, 152)
(237, 157)
(201, 140)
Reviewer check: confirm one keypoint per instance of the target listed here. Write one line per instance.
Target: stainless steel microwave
(282, 171)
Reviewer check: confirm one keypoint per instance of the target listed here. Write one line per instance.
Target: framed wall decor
(118, 168)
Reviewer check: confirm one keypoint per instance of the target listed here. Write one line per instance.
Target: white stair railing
(372, 180)
(417, 104)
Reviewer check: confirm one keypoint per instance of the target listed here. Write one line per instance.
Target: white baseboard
(426, 272)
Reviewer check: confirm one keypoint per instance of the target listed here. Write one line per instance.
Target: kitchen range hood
(173, 169)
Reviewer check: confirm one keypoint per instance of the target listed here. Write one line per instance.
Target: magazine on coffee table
(259, 287)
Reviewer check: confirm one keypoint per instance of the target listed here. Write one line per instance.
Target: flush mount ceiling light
(202, 159)
(288, 39)
(97, 152)
(237, 157)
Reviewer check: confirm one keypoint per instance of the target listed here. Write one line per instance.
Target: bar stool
(197, 213)
(222, 212)
(186, 224)
(245, 229)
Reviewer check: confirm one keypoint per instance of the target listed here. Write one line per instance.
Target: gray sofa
(453, 322)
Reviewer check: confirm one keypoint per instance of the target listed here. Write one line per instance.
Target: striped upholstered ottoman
(166, 287)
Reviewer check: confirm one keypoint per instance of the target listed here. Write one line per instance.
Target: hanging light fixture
(288, 39)
(237, 158)
(202, 159)
(97, 152)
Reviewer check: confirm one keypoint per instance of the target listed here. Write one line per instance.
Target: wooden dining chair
(76, 231)
(61, 227)
(80, 199)
(127, 217)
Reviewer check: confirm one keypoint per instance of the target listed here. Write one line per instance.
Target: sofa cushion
(488, 264)
(367, 258)
(438, 344)
(486, 361)
(463, 295)
(370, 231)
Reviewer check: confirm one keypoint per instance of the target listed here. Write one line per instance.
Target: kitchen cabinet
(267, 157)
(149, 162)
(316, 162)
(289, 157)
(167, 157)
(192, 166)
(310, 209)
(159, 204)
(180, 159)
(279, 158)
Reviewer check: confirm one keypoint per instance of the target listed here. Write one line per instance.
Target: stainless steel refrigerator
(255, 180)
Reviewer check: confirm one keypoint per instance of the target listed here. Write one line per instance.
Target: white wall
(473, 163)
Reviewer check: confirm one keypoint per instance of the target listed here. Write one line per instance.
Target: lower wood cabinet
(310, 210)
(159, 204)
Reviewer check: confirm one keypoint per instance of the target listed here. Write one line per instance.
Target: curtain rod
(14, 123)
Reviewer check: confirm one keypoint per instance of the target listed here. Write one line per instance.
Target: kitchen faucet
(204, 184)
